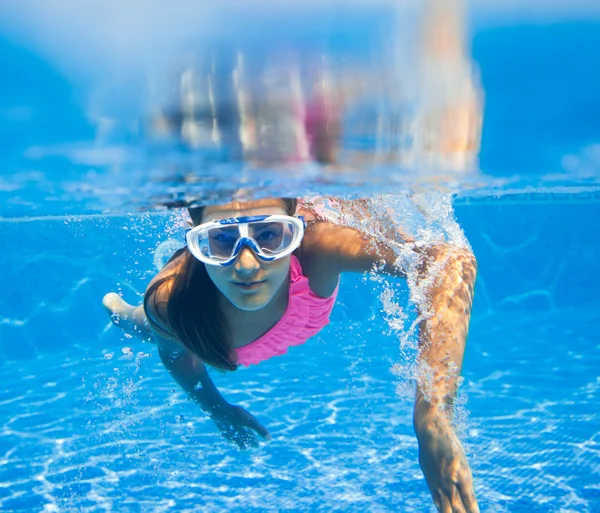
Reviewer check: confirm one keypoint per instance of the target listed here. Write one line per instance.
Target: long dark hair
(193, 313)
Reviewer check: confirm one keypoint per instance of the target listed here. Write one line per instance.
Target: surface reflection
(411, 114)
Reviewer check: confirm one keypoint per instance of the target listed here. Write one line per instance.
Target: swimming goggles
(269, 236)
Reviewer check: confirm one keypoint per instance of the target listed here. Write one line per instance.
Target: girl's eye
(267, 236)
(223, 236)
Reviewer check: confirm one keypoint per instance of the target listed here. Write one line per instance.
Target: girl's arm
(187, 370)
(192, 376)
(444, 277)
(234, 422)
(190, 373)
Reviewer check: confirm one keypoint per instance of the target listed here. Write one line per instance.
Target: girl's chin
(251, 302)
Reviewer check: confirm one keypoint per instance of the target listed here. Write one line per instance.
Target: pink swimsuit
(305, 315)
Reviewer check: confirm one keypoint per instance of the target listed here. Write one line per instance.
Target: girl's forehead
(241, 209)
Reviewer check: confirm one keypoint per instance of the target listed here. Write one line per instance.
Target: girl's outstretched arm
(235, 424)
(445, 283)
(442, 279)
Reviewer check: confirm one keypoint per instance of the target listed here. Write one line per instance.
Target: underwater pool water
(92, 421)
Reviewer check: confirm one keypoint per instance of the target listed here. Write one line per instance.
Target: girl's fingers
(457, 503)
(470, 503)
(250, 438)
(446, 506)
(243, 436)
(467, 494)
(437, 500)
(233, 436)
(259, 428)
(239, 441)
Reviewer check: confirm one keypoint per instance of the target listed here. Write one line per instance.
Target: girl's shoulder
(322, 241)
(315, 259)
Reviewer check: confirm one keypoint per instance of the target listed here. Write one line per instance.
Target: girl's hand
(239, 426)
(445, 468)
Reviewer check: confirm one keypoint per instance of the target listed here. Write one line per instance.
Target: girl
(254, 280)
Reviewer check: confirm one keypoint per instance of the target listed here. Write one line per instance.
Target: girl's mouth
(251, 285)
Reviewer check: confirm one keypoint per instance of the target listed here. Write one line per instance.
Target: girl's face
(249, 283)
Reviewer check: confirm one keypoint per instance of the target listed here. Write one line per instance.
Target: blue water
(89, 424)
(90, 420)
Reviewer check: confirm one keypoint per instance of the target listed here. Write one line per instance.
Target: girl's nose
(246, 262)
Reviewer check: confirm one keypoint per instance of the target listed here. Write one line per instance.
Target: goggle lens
(220, 242)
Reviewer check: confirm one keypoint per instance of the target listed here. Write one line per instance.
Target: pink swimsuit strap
(306, 314)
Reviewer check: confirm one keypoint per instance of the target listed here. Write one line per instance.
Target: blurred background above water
(113, 107)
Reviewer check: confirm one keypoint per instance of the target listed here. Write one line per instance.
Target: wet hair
(192, 310)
